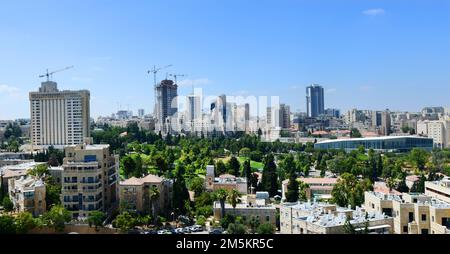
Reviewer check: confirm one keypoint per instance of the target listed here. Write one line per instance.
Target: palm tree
(221, 195)
(154, 197)
(233, 198)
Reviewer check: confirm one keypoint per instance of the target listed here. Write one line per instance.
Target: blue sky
(367, 54)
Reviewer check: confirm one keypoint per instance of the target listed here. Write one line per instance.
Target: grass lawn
(253, 164)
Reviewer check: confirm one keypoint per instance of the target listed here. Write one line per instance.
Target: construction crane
(156, 70)
(49, 74)
(177, 75)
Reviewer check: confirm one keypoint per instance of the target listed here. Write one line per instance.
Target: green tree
(7, 224)
(354, 133)
(180, 191)
(220, 167)
(233, 198)
(236, 229)
(124, 222)
(254, 224)
(197, 185)
(245, 152)
(221, 195)
(234, 166)
(302, 187)
(349, 191)
(266, 229)
(292, 193)
(52, 194)
(39, 171)
(348, 227)
(154, 200)
(24, 222)
(128, 166)
(419, 158)
(57, 217)
(269, 176)
(96, 219)
(247, 171)
(8, 205)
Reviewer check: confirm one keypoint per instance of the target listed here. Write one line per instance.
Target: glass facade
(394, 144)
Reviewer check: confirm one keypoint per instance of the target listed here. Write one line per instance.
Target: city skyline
(381, 55)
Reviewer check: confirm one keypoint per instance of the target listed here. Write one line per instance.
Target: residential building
(439, 189)
(265, 213)
(434, 129)
(135, 194)
(413, 213)
(323, 218)
(27, 194)
(90, 174)
(333, 112)
(16, 171)
(59, 118)
(14, 158)
(315, 100)
(384, 144)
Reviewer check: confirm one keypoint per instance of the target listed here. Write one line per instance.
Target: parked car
(197, 228)
(179, 231)
(187, 230)
(216, 231)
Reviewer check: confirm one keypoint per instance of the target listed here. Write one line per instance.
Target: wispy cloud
(9, 90)
(374, 12)
(194, 82)
(331, 90)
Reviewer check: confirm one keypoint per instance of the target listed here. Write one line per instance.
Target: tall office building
(89, 179)
(315, 100)
(141, 113)
(166, 102)
(59, 118)
(376, 118)
(285, 116)
(219, 110)
(279, 116)
(386, 123)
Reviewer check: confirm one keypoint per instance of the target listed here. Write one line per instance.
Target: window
(267, 218)
(411, 217)
(432, 218)
(405, 229)
(373, 206)
(424, 217)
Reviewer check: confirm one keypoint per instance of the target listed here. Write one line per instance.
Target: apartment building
(259, 209)
(323, 218)
(413, 213)
(436, 130)
(15, 171)
(439, 189)
(59, 118)
(89, 179)
(134, 194)
(27, 194)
